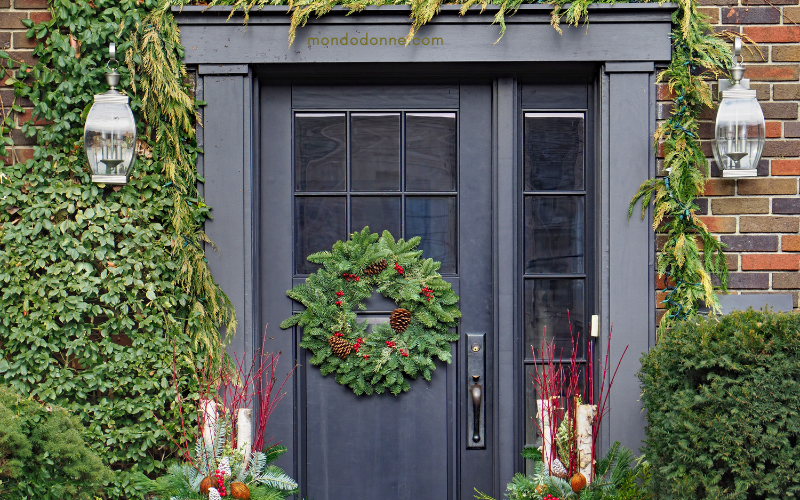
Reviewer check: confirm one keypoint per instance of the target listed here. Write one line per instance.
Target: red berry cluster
(357, 345)
(404, 353)
(390, 343)
(398, 268)
(348, 276)
(337, 334)
(427, 292)
(220, 482)
(339, 303)
(339, 293)
(551, 497)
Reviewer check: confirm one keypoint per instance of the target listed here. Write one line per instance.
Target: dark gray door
(418, 161)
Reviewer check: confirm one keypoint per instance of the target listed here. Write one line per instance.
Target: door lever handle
(477, 393)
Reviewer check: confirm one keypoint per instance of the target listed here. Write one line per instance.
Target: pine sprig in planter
(385, 358)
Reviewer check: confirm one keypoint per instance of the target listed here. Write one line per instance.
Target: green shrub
(722, 398)
(43, 454)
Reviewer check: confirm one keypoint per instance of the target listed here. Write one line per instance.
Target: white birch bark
(545, 408)
(244, 431)
(585, 417)
(208, 415)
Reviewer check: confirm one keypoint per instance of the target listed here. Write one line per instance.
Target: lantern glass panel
(740, 132)
(110, 139)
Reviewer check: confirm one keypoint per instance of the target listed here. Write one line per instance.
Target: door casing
(624, 67)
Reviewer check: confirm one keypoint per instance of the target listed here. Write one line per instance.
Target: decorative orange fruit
(240, 491)
(541, 489)
(578, 482)
(205, 484)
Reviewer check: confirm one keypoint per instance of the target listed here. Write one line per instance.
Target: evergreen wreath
(386, 357)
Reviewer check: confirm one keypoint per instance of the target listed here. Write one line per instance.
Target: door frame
(228, 78)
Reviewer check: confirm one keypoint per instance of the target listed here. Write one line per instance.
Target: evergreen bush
(43, 454)
(722, 398)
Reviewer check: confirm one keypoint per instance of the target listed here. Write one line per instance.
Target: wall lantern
(740, 130)
(109, 137)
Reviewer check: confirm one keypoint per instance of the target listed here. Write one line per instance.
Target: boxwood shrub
(722, 397)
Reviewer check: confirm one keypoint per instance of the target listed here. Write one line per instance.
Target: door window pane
(320, 149)
(431, 151)
(550, 306)
(320, 221)
(378, 212)
(434, 219)
(554, 149)
(554, 234)
(375, 151)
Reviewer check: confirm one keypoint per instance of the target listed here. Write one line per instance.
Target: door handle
(476, 409)
(474, 430)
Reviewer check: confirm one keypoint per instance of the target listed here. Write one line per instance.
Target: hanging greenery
(387, 356)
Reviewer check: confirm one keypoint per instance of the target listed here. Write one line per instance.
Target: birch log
(545, 407)
(244, 431)
(208, 416)
(585, 416)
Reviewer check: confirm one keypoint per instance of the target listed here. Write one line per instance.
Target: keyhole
(476, 347)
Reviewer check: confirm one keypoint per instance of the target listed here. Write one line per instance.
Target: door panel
(423, 160)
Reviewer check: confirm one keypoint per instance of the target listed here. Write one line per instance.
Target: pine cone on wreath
(375, 268)
(400, 319)
(340, 346)
(558, 469)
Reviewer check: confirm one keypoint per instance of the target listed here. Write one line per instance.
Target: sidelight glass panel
(554, 234)
(554, 151)
(320, 221)
(320, 149)
(430, 152)
(378, 212)
(375, 151)
(434, 219)
(551, 305)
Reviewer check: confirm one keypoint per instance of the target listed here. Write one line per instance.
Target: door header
(618, 32)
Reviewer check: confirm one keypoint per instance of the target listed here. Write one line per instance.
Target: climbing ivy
(103, 289)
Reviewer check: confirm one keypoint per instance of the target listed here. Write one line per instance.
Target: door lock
(475, 385)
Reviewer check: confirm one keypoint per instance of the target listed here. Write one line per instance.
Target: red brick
(781, 149)
(767, 186)
(768, 224)
(773, 130)
(720, 187)
(773, 34)
(773, 72)
(786, 53)
(752, 281)
(41, 17)
(13, 20)
(711, 12)
(751, 243)
(785, 167)
(785, 92)
(24, 56)
(664, 94)
(790, 243)
(786, 281)
(719, 224)
(23, 42)
(770, 262)
(740, 205)
(27, 115)
(5, 4)
(30, 4)
(750, 15)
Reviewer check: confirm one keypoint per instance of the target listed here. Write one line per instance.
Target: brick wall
(759, 218)
(14, 41)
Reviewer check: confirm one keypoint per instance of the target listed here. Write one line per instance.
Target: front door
(422, 161)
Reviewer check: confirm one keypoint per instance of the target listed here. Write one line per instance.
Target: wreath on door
(386, 357)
